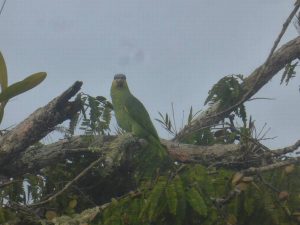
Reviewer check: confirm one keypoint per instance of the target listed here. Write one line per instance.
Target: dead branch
(34, 159)
(255, 170)
(283, 30)
(187, 153)
(289, 149)
(223, 201)
(39, 124)
(7, 183)
(252, 84)
(230, 155)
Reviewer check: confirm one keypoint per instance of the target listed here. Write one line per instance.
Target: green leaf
(2, 106)
(190, 115)
(196, 202)
(152, 201)
(181, 206)
(3, 73)
(171, 198)
(22, 86)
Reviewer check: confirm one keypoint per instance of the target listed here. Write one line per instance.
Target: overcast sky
(170, 50)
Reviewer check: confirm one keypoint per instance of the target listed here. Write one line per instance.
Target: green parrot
(132, 116)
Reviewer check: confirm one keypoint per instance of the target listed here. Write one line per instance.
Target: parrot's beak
(120, 82)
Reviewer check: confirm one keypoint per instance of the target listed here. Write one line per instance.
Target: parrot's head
(119, 81)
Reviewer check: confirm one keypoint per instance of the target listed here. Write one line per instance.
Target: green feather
(132, 115)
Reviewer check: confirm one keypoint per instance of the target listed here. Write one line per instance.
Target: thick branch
(289, 149)
(106, 148)
(39, 124)
(186, 153)
(34, 159)
(252, 84)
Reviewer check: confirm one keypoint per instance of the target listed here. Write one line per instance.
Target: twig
(266, 132)
(262, 129)
(222, 201)
(84, 196)
(284, 207)
(212, 115)
(276, 42)
(2, 185)
(67, 185)
(25, 211)
(252, 99)
(2, 7)
(267, 184)
(173, 115)
(255, 170)
(289, 149)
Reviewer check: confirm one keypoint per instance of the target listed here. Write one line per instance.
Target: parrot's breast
(122, 117)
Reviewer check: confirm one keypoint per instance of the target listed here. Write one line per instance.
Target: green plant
(228, 91)
(8, 92)
(289, 72)
(94, 117)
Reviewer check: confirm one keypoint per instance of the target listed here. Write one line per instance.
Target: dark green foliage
(151, 208)
(165, 193)
(192, 192)
(196, 201)
(183, 195)
(95, 115)
(169, 126)
(289, 72)
(228, 91)
(202, 137)
(178, 199)
(166, 123)
(171, 197)
(260, 204)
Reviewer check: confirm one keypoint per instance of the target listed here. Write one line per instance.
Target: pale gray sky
(170, 50)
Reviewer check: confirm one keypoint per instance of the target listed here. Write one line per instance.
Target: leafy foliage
(8, 92)
(175, 194)
(289, 72)
(166, 123)
(191, 194)
(169, 126)
(94, 117)
(228, 91)
(167, 197)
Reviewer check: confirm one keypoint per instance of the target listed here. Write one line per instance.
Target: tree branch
(39, 124)
(255, 170)
(289, 149)
(252, 84)
(87, 169)
(34, 159)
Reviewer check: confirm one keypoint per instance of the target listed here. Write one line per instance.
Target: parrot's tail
(152, 159)
(157, 147)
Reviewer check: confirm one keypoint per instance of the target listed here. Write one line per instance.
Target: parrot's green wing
(139, 114)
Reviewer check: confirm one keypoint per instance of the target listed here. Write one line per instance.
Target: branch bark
(252, 84)
(289, 149)
(39, 124)
(34, 159)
